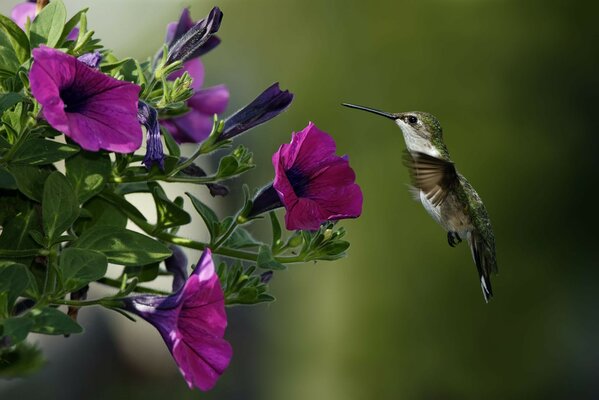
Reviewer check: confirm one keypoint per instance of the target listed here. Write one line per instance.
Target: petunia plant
(81, 130)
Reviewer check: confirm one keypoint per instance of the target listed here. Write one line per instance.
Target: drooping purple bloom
(311, 182)
(215, 189)
(148, 117)
(189, 45)
(28, 10)
(192, 323)
(94, 109)
(266, 106)
(195, 125)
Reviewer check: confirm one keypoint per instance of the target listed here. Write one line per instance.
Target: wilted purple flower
(192, 323)
(266, 106)
(312, 183)
(22, 11)
(92, 60)
(176, 30)
(148, 117)
(195, 125)
(94, 109)
(176, 264)
(215, 189)
(188, 45)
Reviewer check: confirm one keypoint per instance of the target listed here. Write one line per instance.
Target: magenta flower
(195, 125)
(94, 109)
(311, 182)
(28, 10)
(192, 323)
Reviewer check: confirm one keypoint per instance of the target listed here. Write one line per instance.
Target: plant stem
(139, 289)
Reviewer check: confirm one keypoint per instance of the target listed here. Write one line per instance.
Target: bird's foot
(453, 238)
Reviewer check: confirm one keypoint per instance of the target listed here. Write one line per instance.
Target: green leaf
(241, 238)
(88, 173)
(81, 266)
(209, 216)
(171, 144)
(100, 213)
(48, 25)
(266, 260)
(60, 207)
(14, 279)
(143, 273)
(21, 360)
(30, 180)
(51, 321)
(71, 23)
(42, 151)
(168, 213)
(16, 233)
(18, 39)
(7, 100)
(7, 181)
(276, 230)
(16, 328)
(122, 246)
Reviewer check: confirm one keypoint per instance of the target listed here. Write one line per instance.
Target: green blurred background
(514, 84)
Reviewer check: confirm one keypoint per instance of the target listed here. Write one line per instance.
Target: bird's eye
(412, 119)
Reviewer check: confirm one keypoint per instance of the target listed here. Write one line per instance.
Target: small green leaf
(60, 207)
(81, 266)
(122, 246)
(171, 144)
(276, 230)
(266, 260)
(7, 181)
(100, 212)
(17, 38)
(227, 166)
(241, 238)
(42, 151)
(209, 216)
(88, 173)
(7, 100)
(144, 273)
(14, 279)
(48, 25)
(16, 232)
(16, 328)
(51, 321)
(71, 23)
(168, 213)
(30, 180)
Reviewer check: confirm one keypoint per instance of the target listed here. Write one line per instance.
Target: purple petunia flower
(311, 182)
(192, 323)
(191, 40)
(94, 109)
(176, 264)
(195, 125)
(266, 106)
(28, 10)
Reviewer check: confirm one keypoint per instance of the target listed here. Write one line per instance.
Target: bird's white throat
(415, 142)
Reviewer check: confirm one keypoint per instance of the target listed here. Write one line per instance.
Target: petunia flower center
(74, 99)
(299, 180)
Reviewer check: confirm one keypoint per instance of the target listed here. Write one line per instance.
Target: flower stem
(139, 289)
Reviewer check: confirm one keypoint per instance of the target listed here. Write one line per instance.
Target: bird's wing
(434, 176)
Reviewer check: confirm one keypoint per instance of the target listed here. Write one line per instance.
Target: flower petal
(212, 100)
(21, 12)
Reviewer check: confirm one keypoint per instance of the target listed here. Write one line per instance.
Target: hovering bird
(443, 191)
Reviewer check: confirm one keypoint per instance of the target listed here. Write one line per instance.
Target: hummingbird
(445, 194)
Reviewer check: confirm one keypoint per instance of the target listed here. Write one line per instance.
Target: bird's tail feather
(485, 263)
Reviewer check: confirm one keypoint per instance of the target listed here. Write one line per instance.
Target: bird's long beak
(372, 110)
